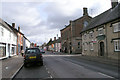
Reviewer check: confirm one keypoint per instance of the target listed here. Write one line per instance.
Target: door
(101, 48)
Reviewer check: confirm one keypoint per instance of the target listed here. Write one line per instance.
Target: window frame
(91, 46)
(91, 34)
(116, 45)
(100, 31)
(116, 27)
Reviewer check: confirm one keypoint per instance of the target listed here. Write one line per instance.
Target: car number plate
(32, 57)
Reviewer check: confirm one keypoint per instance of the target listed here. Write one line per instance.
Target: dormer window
(116, 27)
(85, 23)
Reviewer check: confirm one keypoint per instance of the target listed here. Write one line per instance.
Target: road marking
(48, 72)
(16, 72)
(51, 76)
(105, 75)
(6, 67)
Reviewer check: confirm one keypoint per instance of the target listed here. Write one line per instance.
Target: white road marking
(105, 75)
(6, 67)
(60, 55)
(48, 72)
(51, 76)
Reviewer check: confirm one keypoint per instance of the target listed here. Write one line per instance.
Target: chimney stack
(13, 25)
(85, 12)
(114, 3)
(54, 38)
(19, 28)
(50, 39)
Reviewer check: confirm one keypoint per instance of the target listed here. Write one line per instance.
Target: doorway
(101, 48)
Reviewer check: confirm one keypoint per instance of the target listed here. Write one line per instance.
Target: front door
(101, 48)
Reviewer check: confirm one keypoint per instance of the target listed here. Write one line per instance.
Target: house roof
(58, 40)
(105, 17)
(14, 29)
(5, 25)
(26, 38)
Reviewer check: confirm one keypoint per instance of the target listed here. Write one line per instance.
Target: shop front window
(2, 51)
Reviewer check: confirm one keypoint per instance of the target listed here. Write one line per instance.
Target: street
(61, 66)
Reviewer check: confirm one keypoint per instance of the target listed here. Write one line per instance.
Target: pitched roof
(4, 24)
(105, 17)
(14, 29)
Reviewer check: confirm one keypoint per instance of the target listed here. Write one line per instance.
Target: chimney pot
(54, 38)
(19, 28)
(13, 25)
(114, 3)
(85, 12)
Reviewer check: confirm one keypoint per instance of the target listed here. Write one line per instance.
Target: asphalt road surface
(58, 66)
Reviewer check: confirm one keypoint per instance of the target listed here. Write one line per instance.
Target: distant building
(58, 45)
(8, 40)
(26, 43)
(102, 36)
(70, 35)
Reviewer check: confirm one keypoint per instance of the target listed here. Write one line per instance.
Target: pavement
(11, 66)
(98, 59)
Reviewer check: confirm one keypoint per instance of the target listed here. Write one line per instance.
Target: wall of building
(8, 40)
(110, 43)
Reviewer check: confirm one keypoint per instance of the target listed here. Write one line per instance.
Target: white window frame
(85, 46)
(100, 31)
(85, 36)
(2, 32)
(91, 34)
(91, 46)
(117, 45)
(116, 27)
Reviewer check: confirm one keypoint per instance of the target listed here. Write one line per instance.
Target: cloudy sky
(41, 20)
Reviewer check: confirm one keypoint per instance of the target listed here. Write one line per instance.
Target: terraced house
(102, 35)
(8, 40)
(70, 35)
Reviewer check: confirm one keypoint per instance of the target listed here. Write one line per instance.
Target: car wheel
(40, 63)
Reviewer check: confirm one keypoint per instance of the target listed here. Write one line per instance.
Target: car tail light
(41, 54)
(24, 56)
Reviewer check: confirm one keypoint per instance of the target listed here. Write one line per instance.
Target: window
(2, 32)
(85, 23)
(116, 27)
(117, 45)
(91, 46)
(78, 44)
(91, 34)
(85, 36)
(2, 50)
(100, 31)
(85, 46)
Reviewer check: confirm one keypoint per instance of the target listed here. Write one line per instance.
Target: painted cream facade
(8, 41)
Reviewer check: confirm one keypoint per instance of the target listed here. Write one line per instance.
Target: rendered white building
(26, 43)
(8, 41)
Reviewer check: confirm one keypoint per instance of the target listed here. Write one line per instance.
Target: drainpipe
(106, 43)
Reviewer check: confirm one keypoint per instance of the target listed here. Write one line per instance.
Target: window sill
(116, 50)
(116, 31)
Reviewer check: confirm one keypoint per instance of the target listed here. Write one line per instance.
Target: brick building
(70, 36)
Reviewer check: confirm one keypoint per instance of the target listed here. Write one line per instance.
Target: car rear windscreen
(28, 51)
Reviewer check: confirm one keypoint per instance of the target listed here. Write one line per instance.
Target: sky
(40, 20)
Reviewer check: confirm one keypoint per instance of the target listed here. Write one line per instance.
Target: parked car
(33, 55)
(42, 51)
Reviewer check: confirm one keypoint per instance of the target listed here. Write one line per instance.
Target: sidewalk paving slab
(11, 65)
